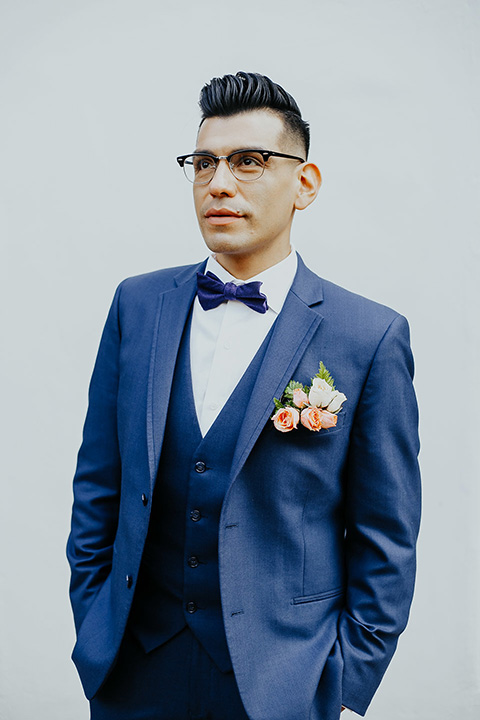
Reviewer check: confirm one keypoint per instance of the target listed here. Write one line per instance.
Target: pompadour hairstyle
(233, 94)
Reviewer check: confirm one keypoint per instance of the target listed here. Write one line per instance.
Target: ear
(309, 181)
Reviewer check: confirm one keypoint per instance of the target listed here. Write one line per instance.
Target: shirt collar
(276, 280)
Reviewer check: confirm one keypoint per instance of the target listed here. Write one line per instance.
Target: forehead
(256, 129)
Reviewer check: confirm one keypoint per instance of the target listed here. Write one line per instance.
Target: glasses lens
(247, 165)
(199, 169)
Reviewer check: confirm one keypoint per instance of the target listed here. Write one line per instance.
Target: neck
(248, 266)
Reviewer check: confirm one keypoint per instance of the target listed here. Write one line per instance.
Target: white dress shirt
(224, 340)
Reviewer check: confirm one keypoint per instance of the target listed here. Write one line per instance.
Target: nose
(223, 182)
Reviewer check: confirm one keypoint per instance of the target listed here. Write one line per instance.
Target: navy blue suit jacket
(317, 532)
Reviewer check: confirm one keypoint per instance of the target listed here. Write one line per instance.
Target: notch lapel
(292, 332)
(172, 314)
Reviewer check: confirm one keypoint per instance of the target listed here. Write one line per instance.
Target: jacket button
(191, 607)
(200, 466)
(144, 499)
(195, 515)
(129, 581)
(193, 562)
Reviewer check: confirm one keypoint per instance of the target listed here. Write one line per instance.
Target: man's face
(261, 211)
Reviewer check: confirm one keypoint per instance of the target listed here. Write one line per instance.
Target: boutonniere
(315, 406)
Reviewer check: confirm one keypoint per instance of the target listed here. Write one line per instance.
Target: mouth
(222, 216)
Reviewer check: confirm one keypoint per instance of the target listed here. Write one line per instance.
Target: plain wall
(96, 100)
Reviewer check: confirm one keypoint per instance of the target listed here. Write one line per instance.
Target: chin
(221, 244)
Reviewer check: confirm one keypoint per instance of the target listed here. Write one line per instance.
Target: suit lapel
(172, 314)
(292, 332)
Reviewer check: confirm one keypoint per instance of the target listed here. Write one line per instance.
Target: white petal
(336, 402)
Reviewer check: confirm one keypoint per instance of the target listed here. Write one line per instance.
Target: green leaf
(292, 385)
(323, 374)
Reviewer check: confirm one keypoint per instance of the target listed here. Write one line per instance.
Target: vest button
(193, 562)
(129, 581)
(144, 499)
(195, 515)
(200, 466)
(191, 607)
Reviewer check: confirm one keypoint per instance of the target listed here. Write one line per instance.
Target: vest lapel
(174, 306)
(293, 330)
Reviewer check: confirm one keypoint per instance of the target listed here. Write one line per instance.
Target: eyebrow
(241, 149)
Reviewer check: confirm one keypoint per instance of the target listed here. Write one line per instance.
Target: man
(226, 566)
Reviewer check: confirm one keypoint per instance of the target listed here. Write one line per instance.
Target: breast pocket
(324, 433)
(301, 435)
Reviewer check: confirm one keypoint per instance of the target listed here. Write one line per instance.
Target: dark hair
(233, 94)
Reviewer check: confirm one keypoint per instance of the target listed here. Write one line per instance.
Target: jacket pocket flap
(336, 592)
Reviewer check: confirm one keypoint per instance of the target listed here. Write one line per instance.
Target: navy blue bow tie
(213, 292)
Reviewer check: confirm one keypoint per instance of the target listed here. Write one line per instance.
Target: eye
(203, 163)
(248, 161)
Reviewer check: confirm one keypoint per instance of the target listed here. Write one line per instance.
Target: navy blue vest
(178, 584)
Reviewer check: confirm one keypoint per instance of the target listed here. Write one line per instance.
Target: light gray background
(97, 99)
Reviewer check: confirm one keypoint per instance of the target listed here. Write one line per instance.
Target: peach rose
(300, 398)
(315, 419)
(286, 419)
(328, 419)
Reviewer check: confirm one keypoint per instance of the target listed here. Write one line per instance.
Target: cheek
(278, 200)
(276, 209)
(198, 201)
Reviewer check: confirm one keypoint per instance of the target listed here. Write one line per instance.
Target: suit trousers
(176, 681)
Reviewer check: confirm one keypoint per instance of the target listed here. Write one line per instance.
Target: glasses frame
(266, 155)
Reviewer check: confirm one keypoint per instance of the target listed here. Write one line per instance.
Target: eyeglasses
(245, 165)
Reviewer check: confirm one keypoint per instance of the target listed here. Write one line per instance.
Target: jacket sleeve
(96, 485)
(382, 518)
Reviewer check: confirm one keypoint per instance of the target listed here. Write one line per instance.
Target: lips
(222, 216)
(221, 212)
